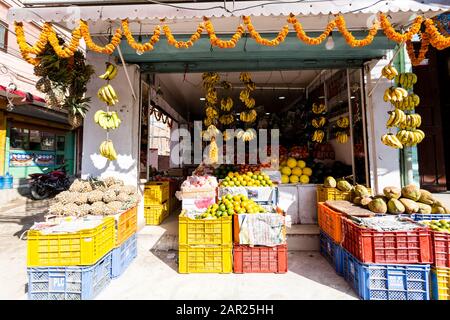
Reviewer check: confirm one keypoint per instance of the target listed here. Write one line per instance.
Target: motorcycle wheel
(38, 192)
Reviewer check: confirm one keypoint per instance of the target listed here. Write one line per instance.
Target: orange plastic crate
(330, 222)
(126, 225)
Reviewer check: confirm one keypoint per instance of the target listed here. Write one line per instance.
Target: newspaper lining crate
(205, 231)
(324, 194)
(332, 252)
(237, 231)
(330, 222)
(440, 283)
(126, 225)
(122, 256)
(84, 247)
(156, 213)
(371, 246)
(69, 283)
(156, 192)
(260, 259)
(205, 259)
(387, 281)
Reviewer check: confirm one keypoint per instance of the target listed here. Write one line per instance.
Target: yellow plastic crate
(440, 283)
(205, 232)
(156, 213)
(324, 194)
(82, 248)
(156, 192)
(203, 259)
(126, 226)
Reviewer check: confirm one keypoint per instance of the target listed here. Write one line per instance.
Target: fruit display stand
(261, 195)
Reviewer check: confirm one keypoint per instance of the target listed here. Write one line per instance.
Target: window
(19, 138)
(35, 140)
(61, 143)
(3, 36)
(48, 141)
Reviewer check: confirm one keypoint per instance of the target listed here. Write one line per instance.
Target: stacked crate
(79, 265)
(440, 269)
(379, 265)
(156, 202)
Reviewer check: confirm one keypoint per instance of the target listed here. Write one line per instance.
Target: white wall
(125, 138)
(384, 161)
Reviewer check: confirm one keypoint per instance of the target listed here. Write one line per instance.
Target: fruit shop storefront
(314, 81)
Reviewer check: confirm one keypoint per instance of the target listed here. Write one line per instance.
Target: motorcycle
(42, 185)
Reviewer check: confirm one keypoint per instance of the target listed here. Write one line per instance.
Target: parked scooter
(43, 185)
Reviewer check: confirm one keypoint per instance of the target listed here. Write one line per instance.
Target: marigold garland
(107, 49)
(142, 47)
(263, 41)
(215, 41)
(39, 46)
(350, 39)
(309, 40)
(65, 51)
(390, 32)
(438, 41)
(183, 44)
(415, 61)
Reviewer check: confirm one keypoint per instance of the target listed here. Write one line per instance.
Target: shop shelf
(126, 225)
(332, 252)
(69, 283)
(330, 221)
(156, 213)
(84, 247)
(440, 283)
(371, 246)
(122, 256)
(156, 192)
(260, 259)
(205, 231)
(205, 259)
(387, 281)
(324, 194)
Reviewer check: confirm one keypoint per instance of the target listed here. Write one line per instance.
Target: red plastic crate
(260, 259)
(371, 246)
(441, 249)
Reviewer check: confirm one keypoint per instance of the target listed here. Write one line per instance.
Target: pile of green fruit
(409, 199)
(249, 179)
(222, 171)
(341, 184)
(230, 205)
(438, 225)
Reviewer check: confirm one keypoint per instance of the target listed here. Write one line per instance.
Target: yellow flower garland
(142, 47)
(182, 44)
(263, 41)
(350, 39)
(215, 41)
(107, 49)
(415, 61)
(309, 40)
(390, 32)
(39, 46)
(69, 50)
(438, 41)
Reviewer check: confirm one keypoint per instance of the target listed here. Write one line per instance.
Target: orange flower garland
(438, 41)
(309, 40)
(65, 52)
(39, 46)
(390, 32)
(350, 39)
(182, 44)
(415, 61)
(142, 47)
(263, 41)
(107, 49)
(215, 41)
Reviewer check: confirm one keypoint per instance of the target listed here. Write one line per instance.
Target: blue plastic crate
(422, 217)
(123, 256)
(332, 252)
(69, 283)
(387, 281)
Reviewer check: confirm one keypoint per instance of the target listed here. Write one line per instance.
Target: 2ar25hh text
(244, 309)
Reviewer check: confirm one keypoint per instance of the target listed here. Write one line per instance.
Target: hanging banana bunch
(210, 79)
(342, 137)
(226, 119)
(407, 104)
(343, 122)
(226, 104)
(406, 80)
(389, 72)
(319, 108)
(107, 119)
(318, 122)
(318, 136)
(249, 86)
(213, 151)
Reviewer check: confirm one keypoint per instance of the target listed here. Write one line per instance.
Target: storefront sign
(31, 159)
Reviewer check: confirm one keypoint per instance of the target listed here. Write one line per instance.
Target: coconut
(329, 182)
(344, 186)
(411, 191)
(426, 197)
(361, 191)
(410, 205)
(395, 206)
(392, 192)
(377, 206)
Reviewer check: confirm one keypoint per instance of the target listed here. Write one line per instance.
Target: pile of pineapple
(96, 197)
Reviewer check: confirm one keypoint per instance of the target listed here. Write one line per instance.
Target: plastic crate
(84, 247)
(156, 192)
(237, 230)
(126, 225)
(260, 259)
(205, 259)
(440, 283)
(205, 231)
(156, 213)
(332, 252)
(330, 221)
(324, 194)
(371, 246)
(123, 256)
(69, 283)
(387, 281)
